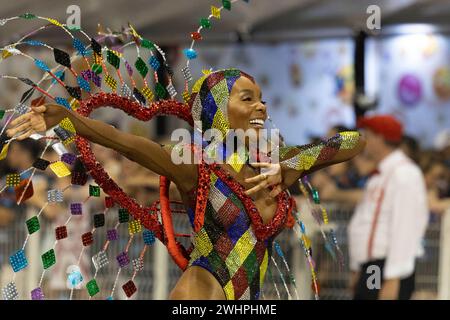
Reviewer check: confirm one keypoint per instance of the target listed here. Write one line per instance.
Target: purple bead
(97, 80)
(129, 69)
(37, 294)
(87, 75)
(75, 209)
(112, 234)
(69, 158)
(123, 259)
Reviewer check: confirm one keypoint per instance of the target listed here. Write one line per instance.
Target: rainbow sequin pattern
(304, 157)
(227, 247)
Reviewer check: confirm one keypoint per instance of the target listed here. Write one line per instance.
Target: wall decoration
(409, 90)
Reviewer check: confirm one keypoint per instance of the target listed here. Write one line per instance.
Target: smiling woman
(235, 210)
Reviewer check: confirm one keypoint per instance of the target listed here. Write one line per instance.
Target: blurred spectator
(442, 144)
(389, 223)
(436, 178)
(21, 155)
(410, 147)
(394, 198)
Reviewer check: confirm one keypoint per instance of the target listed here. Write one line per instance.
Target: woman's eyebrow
(247, 91)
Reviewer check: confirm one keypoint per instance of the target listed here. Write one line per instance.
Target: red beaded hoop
(134, 109)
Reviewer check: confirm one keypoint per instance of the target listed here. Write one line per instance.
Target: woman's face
(245, 108)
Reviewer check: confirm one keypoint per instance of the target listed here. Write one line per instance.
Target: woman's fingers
(257, 178)
(271, 176)
(30, 120)
(25, 135)
(256, 188)
(261, 164)
(38, 125)
(20, 119)
(19, 128)
(39, 109)
(276, 190)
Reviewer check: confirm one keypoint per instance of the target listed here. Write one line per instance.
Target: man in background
(391, 215)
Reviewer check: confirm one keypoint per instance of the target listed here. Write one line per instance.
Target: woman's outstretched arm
(147, 153)
(298, 161)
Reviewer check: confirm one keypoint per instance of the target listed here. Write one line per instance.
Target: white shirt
(402, 219)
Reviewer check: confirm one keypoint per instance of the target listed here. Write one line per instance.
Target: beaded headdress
(210, 96)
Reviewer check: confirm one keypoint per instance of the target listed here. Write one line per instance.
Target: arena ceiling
(171, 21)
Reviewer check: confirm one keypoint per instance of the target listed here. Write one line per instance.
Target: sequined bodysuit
(233, 244)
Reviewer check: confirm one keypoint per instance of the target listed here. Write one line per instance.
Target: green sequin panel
(113, 59)
(33, 225)
(147, 44)
(161, 92)
(141, 67)
(27, 16)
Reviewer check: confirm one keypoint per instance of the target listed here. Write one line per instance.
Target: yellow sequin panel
(111, 82)
(186, 96)
(134, 227)
(235, 162)
(324, 215)
(198, 84)
(305, 162)
(244, 246)
(213, 178)
(203, 243)
(6, 54)
(263, 268)
(97, 58)
(195, 254)
(349, 139)
(4, 152)
(55, 22)
(74, 104)
(67, 125)
(133, 32)
(68, 141)
(233, 262)
(215, 12)
(229, 290)
(148, 94)
(306, 241)
(220, 123)
(206, 72)
(12, 179)
(60, 169)
(221, 95)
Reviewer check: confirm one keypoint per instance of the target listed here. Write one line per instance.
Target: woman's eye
(247, 99)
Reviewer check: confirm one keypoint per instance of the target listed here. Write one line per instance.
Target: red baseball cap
(386, 125)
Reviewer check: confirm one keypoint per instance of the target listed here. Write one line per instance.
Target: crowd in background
(143, 185)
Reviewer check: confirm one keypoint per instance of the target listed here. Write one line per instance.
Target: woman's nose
(261, 107)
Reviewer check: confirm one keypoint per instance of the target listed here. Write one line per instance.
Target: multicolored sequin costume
(230, 239)
(233, 243)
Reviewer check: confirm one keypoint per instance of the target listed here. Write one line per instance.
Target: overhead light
(409, 28)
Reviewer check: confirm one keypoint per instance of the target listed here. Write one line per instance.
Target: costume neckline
(262, 230)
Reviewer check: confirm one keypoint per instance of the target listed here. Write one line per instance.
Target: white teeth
(257, 121)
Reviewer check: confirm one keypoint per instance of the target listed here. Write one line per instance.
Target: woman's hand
(28, 124)
(270, 177)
